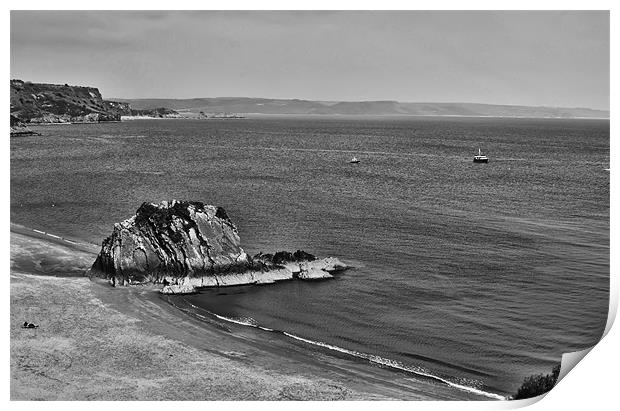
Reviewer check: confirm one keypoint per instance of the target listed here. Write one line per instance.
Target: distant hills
(247, 105)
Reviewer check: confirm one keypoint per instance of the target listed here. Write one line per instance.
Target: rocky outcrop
(20, 129)
(185, 245)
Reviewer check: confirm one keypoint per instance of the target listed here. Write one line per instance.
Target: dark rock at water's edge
(20, 129)
(184, 244)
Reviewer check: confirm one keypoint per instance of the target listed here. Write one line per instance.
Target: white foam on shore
(250, 322)
(265, 328)
(394, 364)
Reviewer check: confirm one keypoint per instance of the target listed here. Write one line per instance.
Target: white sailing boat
(481, 158)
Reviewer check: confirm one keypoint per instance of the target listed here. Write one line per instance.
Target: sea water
(477, 275)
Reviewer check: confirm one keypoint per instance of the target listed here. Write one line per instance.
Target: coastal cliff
(184, 245)
(57, 103)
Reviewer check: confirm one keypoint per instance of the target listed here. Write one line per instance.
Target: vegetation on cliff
(56, 103)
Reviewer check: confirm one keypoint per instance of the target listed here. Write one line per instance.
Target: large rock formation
(184, 245)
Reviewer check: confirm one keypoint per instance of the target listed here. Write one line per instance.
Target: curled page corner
(613, 305)
(570, 360)
(525, 402)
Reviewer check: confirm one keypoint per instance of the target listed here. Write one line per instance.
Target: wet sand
(96, 342)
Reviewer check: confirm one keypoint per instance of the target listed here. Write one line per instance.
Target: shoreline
(332, 350)
(98, 342)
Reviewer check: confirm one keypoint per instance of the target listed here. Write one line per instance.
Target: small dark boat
(354, 160)
(481, 158)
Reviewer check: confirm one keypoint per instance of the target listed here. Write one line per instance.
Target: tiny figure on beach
(26, 324)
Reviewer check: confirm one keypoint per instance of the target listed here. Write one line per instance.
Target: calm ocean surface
(480, 274)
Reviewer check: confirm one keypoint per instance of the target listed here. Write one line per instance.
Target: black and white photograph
(306, 205)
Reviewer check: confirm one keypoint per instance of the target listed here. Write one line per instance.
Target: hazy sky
(531, 58)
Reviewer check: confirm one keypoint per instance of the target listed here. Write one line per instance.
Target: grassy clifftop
(54, 103)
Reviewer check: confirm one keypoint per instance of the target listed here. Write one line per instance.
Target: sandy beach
(96, 342)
